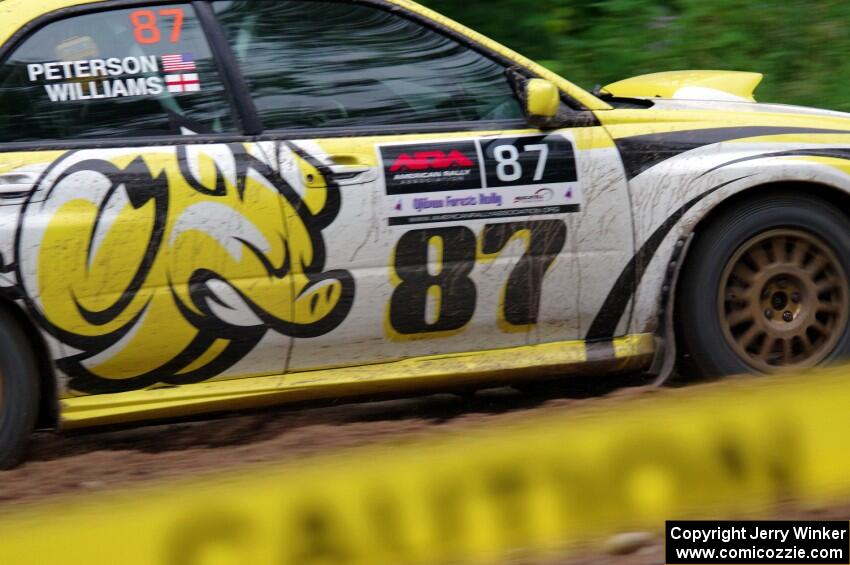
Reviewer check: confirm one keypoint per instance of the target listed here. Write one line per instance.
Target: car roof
(15, 14)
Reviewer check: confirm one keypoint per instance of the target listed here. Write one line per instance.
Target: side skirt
(501, 366)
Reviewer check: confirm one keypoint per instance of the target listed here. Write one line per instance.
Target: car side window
(336, 64)
(120, 73)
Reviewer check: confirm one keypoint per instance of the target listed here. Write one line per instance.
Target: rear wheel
(766, 288)
(19, 392)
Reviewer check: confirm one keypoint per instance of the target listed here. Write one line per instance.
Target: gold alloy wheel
(783, 300)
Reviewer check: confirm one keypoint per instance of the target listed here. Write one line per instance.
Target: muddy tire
(765, 288)
(19, 392)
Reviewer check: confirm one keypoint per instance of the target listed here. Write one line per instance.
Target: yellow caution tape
(524, 490)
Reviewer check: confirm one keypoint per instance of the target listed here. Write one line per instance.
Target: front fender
(671, 201)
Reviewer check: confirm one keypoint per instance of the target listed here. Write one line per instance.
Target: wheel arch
(48, 406)
(665, 361)
(838, 197)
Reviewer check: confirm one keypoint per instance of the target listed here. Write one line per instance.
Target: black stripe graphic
(834, 152)
(605, 324)
(642, 152)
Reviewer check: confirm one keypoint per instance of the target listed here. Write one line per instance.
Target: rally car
(216, 204)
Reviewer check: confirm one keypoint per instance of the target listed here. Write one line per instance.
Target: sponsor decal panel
(502, 177)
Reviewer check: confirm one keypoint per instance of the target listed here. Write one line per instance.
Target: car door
(431, 211)
(141, 234)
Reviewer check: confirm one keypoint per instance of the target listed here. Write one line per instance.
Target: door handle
(349, 169)
(16, 185)
(342, 172)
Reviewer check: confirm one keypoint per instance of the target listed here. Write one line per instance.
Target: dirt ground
(92, 461)
(109, 460)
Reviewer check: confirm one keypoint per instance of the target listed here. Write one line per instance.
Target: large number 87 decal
(434, 291)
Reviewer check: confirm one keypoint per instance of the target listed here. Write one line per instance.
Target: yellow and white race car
(216, 204)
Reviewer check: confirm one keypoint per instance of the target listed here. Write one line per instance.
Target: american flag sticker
(183, 83)
(178, 63)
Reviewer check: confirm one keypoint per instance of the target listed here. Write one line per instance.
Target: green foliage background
(802, 47)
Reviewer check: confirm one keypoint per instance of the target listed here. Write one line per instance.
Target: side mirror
(542, 102)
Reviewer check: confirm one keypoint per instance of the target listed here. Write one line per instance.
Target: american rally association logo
(431, 167)
(115, 77)
(434, 160)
